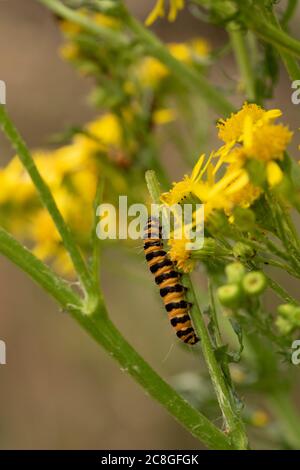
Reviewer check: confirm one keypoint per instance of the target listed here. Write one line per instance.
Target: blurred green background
(58, 390)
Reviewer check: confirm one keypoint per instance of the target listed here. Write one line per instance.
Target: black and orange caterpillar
(168, 279)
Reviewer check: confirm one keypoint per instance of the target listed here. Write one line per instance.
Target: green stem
(105, 333)
(234, 424)
(281, 403)
(281, 292)
(242, 55)
(96, 243)
(291, 64)
(39, 272)
(85, 22)
(153, 186)
(47, 200)
(270, 33)
(131, 362)
(289, 13)
(156, 48)
(183, 72)
(214, 315)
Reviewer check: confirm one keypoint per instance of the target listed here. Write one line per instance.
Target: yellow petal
(238, 184)
(197, 168)
(158, 11)
(274, 174)
(164, 116)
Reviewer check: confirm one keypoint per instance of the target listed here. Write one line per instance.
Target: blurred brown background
(58, 390)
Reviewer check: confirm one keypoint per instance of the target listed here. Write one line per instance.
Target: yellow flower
(15, 184)
(274, 174)
(103, 132)
(233, 188)
(159, 11)
(151, 71)
(190, 51)
(187, 186)
(164, 116)
(106, 20)
(232, 129)
(180, 255)
(69, 51)
(265, 141)
(200, 47)
(260, 419)
(181, 51)
(71, 29)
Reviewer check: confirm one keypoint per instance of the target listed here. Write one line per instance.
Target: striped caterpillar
(168, 279)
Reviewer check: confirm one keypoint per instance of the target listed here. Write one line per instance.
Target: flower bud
(229, 295)
(254, 283)
(291, 314)
(242, 250)
(284, 326)
(286, 310)
(235, 272)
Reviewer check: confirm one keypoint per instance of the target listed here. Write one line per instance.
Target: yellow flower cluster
(223, 182)
(71, 50)
(150, 72)
(72, 173)
(159, 11)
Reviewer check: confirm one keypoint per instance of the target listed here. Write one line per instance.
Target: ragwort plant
(147, 92)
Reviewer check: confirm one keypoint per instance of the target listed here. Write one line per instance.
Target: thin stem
(281, 292)
(281, 403)
(105, 333)
(242, 55)
(153, 186)
(216, 327)
(234, 424)
(291, 64)
(273, 35)
(184, 73)
(85, 22)
(39, 272)
(289, 13)
(96, 244)
(278, 264)
(47, 200)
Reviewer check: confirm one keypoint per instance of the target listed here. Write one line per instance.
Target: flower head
(232, 129)
(159, 11)
(180, 255)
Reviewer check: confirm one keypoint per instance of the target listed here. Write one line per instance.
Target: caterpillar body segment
(169, 281)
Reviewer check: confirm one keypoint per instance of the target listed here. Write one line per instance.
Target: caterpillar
(168, 279)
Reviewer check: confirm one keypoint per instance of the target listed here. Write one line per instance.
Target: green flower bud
(254, 283)
(210, 248)
(286, 310)
(242, 250)
(235, 272)
(229, 295)
(284, 326)
(290, 313)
